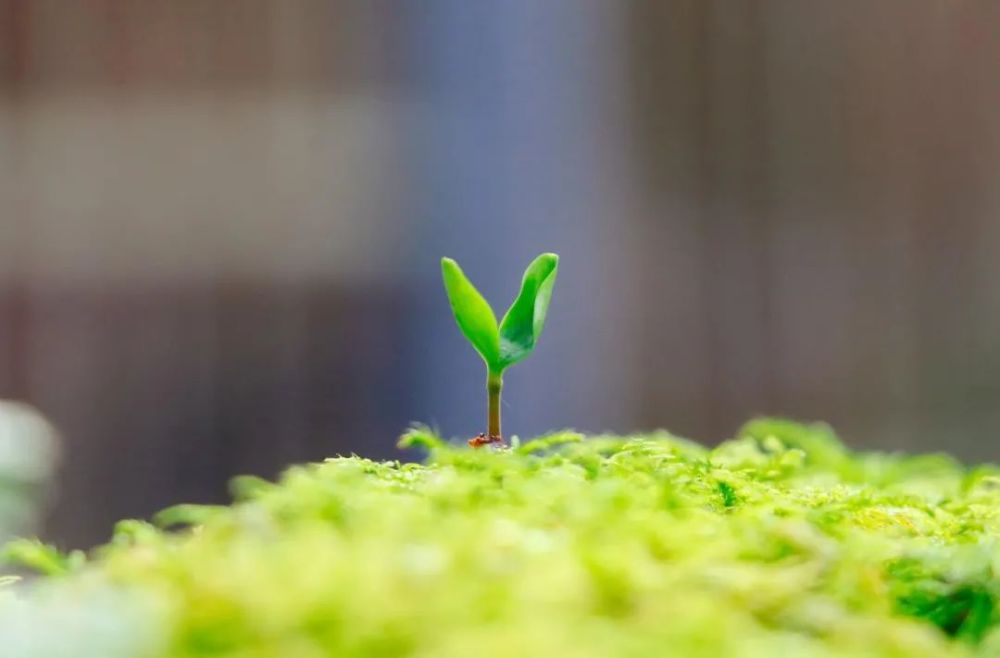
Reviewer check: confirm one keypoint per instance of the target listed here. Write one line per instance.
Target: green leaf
(42, 558)
(249, 487)
(474, 316)
(523, 323)
(421, 436)
(549, 442)
(186, 514)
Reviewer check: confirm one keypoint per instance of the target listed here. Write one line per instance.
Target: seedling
(503, 345)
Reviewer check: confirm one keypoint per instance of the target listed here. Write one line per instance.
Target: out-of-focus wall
(194, 193)
(220, 221)
(182, 141)
(822, 234)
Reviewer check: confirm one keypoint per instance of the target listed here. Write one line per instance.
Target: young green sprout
(503, 345)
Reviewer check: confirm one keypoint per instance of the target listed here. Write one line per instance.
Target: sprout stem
(494, 385)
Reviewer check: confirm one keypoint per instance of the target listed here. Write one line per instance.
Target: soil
(482, 440)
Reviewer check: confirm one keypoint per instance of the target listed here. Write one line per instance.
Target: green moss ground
(778, 543)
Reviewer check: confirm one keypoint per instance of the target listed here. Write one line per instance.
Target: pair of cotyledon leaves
(504, 344)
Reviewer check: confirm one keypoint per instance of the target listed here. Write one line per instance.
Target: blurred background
(220, 225)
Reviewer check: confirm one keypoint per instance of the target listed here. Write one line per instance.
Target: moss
(779, 542)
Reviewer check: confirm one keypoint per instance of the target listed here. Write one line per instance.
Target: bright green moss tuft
(778, 543)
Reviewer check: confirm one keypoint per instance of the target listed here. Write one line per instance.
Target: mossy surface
(777, 543)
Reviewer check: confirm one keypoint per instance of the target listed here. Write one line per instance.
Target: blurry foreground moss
(778, 543)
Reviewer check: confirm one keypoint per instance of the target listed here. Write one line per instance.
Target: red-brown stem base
(483, 440)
